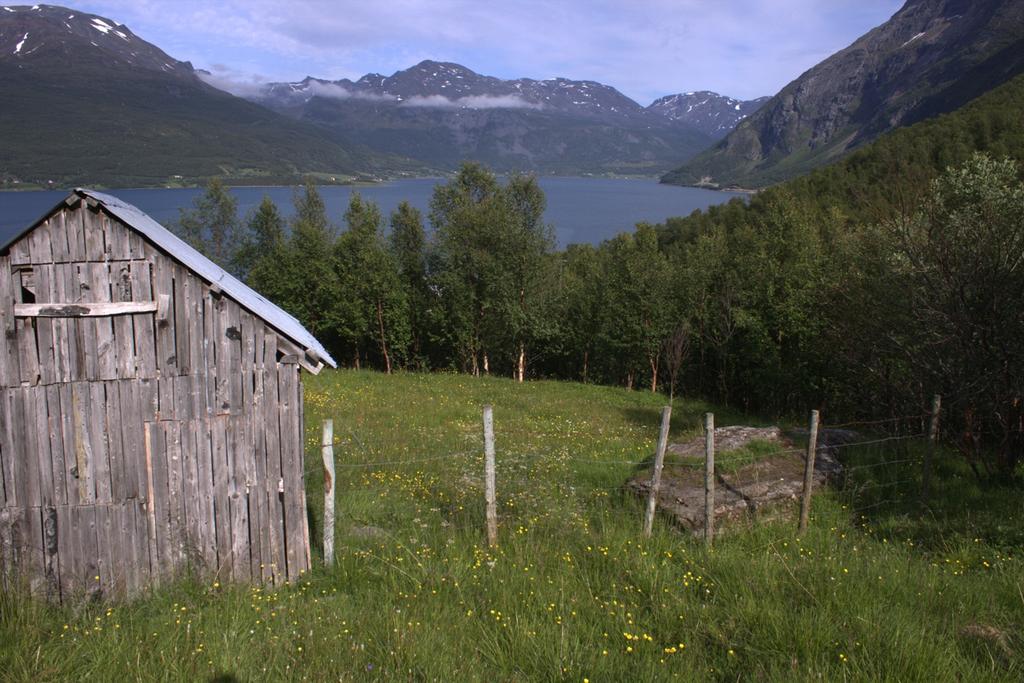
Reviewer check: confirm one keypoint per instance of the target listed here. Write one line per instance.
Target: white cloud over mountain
(471, 102)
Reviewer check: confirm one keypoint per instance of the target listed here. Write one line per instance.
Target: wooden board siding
(134, 447)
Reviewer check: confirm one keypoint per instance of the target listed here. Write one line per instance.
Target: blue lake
(580, 209)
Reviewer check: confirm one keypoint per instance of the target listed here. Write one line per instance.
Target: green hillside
(131, 129)
(890, 174)
(508, 140)
(572, 592)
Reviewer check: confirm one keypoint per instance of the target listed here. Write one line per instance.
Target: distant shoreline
(583, 209)
(298, 182)
(716, 188)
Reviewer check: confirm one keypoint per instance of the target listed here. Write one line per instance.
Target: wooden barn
(151, 411)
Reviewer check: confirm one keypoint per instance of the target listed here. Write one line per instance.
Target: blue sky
(645, 48)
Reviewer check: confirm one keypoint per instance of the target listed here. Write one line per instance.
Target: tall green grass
(572, 592)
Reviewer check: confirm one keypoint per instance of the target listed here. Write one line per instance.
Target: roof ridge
(183, 252)
(189, 256)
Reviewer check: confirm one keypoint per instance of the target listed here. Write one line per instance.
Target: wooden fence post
(929, 452)
(489, 492)
(709, 479)
(327, 450)
(659, 462)
(812, 449)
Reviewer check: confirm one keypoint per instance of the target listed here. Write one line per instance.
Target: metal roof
(178, 249)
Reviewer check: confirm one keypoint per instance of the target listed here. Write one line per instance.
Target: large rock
(726, 439)
(763, 487)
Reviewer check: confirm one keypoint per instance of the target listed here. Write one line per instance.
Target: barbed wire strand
(877, 441)
(878, 485)
(523, 457)
(316, 465)
(887, 463)
(869, 423)
(873, 505)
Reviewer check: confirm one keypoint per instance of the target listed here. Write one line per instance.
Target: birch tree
(375, 313)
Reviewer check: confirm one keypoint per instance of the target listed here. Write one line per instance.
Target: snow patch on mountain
(913, 38)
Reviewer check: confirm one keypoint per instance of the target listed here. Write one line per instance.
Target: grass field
(572, 592)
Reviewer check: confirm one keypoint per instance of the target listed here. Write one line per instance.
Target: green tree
(378, 310)
(464, 214)
(525, 292)
(262, 247)
(777, 259)
(212, 225)
(309, 284)
(961, 258)
(490, 263)
(635, 304)
(409, 246)
(580, 307)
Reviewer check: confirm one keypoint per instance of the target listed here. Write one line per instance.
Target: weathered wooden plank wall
(134, 446)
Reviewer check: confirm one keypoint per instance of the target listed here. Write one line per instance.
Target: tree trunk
(476, 368)
(521, 365)
(355, 359)
(629, 379)
(487, 364)
(672, 388)
(654, 373)
(383, 339)
(586, 363)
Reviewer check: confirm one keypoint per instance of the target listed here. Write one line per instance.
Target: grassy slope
(573, 592)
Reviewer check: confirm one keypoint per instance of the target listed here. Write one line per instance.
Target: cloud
(471, 102)
(229, 80)
(339, 92)
(253, 85)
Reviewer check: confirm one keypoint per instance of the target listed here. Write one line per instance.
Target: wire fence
(876, 466)
(878, 423)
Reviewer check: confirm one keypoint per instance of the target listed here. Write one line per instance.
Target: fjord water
(582, 210)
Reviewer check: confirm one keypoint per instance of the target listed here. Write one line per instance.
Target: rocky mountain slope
(931, 57)
(442, 112)
(86, 100)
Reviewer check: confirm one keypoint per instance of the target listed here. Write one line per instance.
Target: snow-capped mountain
(449, 85)
(38, 34)
(709, 112)
(85, 100)
(443, 112)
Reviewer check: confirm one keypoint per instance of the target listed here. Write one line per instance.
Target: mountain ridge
(458, 84)
(931, 57)
(442, 112)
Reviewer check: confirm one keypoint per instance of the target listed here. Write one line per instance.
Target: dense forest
(861, 289)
